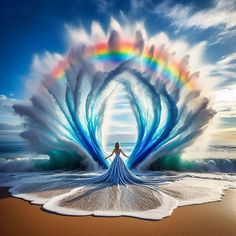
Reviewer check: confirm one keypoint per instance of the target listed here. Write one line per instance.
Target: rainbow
(58, 71)
(155, 61)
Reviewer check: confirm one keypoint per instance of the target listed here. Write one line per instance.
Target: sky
(30, 29)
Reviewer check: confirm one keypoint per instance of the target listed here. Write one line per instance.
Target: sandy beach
(19, 217)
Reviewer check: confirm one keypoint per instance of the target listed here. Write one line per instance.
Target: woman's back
(117, 151)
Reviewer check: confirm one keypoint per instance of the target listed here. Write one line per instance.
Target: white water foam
(63, 193)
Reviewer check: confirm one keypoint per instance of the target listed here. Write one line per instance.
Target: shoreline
(20, 217)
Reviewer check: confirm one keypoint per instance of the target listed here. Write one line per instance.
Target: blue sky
(30, 28)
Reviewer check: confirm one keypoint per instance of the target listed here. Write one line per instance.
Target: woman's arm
(111, 154)
(123, 153)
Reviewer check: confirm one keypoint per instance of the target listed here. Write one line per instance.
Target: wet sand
(19, 217)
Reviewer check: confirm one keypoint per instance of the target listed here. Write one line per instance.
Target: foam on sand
(66, 193)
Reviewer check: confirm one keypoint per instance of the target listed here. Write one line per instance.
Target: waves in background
(63, 119)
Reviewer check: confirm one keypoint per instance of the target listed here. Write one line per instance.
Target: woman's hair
(117, 145)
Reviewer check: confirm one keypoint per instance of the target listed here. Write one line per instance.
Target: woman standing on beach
(118, 172)
(117, 150)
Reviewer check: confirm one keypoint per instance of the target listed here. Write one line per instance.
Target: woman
(117, 150)
(118, 172)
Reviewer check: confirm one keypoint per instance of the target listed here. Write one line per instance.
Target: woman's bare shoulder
(117, 150)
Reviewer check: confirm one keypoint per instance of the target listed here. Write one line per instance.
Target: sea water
(64, 192)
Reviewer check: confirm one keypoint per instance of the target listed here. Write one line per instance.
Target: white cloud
(225, 102)
(10, 123)
(220, 79)
(6, 110)
(224, 93)
(104, 6)
(222, 15)
(137, 5)
(224, 70)
(225, 60)
(6, 106)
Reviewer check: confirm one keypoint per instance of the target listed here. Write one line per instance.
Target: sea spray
(66, 113)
